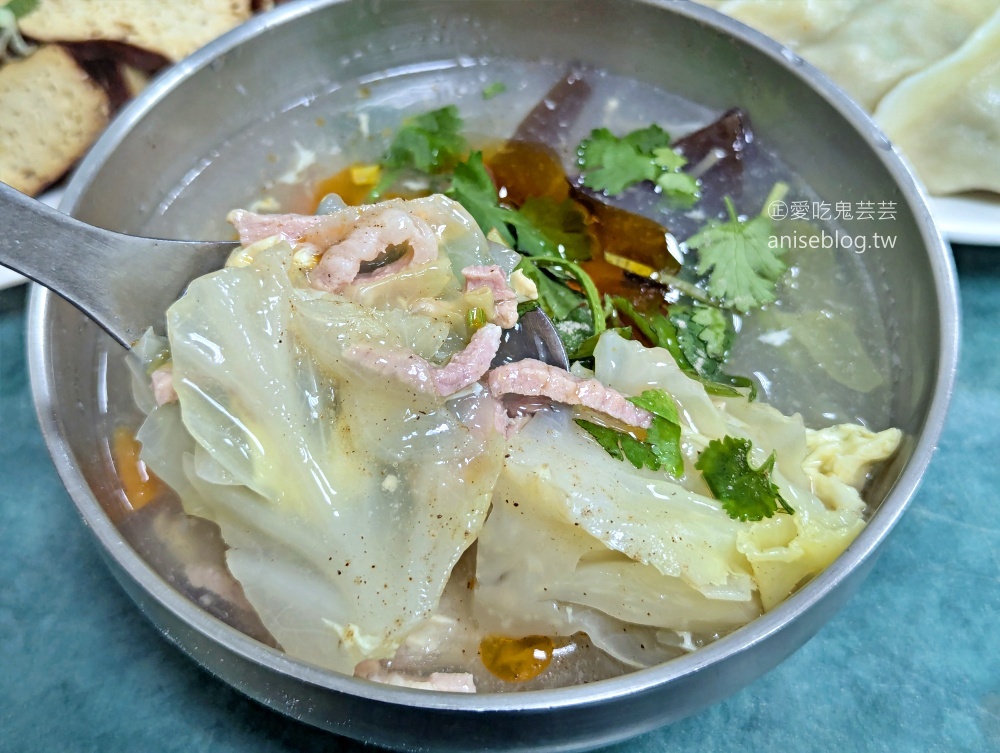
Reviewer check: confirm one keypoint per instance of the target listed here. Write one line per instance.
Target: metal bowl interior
(284, 62)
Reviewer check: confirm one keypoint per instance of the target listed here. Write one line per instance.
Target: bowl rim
(757, 631)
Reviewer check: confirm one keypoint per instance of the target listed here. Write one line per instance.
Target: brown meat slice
(464, 368)
(504, 298)
(538, 379)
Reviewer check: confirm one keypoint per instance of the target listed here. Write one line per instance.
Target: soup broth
(821, 350)
(281, 164)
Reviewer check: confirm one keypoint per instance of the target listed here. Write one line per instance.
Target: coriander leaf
(556, 300)
(620, 445)
(661, 332)
(385, 182)
(592, 149)
(664, 433)
(21, 8)
(675, 185)
(662, 447)
(494, 90)
(576, 317)
(612, 164)
(12, 44)
(664, 437)
(473, 188)
(659, 403)
(727, 385)
(429, 143)
(590, 294)
(655, 327)
(680, 187)
(715, 330)
(640, 454)
(719, 389)
(746, 493)
(669, 159)
(705, 334)
(648, 140)
(525, 306)
(609, 439)
(546, 227)
(737, 256)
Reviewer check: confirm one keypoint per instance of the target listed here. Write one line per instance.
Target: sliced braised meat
(504, 298)
(538, 379)
(464, 368)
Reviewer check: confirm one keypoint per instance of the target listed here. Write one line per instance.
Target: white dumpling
(946, 119)
(883, 42)
(866, 47)
(792, 22)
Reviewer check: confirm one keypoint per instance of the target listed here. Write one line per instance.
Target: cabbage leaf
(345, 499)
(574, 532)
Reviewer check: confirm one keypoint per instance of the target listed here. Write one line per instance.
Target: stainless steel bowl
(175, 133)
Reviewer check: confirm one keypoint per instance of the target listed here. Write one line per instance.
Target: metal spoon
(533, 336)
(126, 283)
(122, 282)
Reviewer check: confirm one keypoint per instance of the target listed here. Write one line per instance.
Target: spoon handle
(124, 283)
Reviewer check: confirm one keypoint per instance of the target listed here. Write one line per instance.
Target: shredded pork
(504, 298)
(345, 239)
(464, 368)
(538, 379)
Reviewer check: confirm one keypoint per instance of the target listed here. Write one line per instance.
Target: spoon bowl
(305, 51)
(124, 283)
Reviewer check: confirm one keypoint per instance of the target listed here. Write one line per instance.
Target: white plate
(974, 218)
(8, 278)
(962, 219)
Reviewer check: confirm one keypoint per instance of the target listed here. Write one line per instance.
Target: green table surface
(911, 664)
